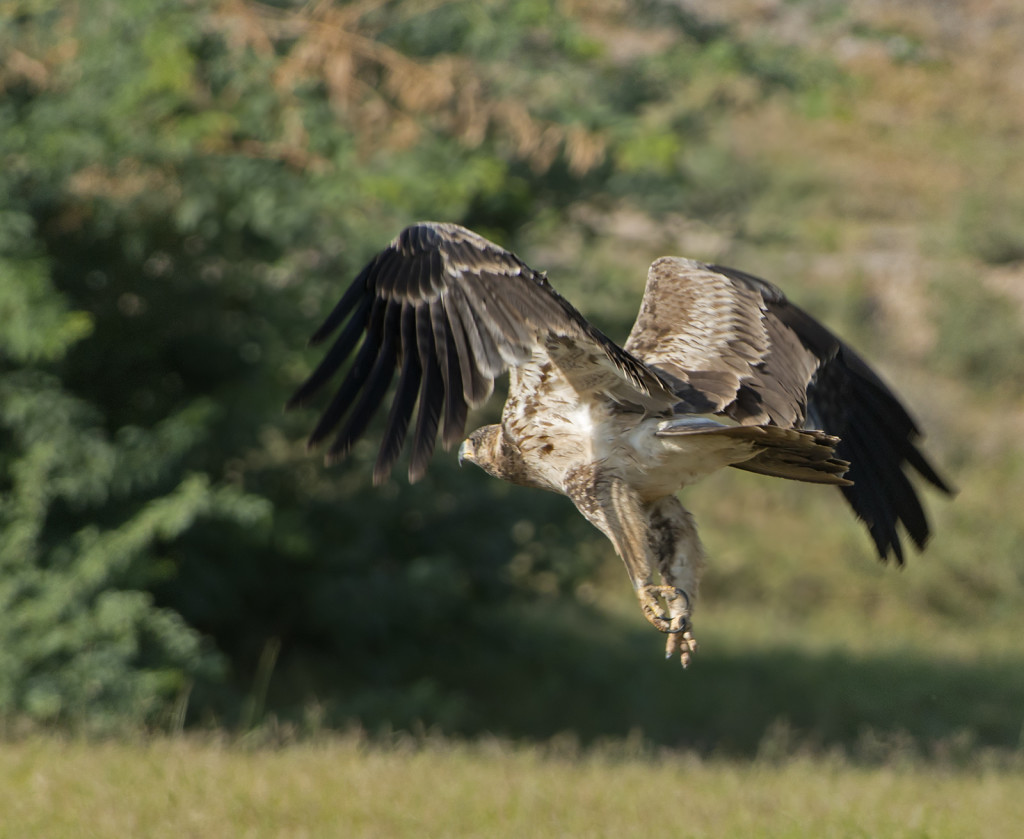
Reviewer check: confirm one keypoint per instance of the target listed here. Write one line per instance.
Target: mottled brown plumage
(719, 370)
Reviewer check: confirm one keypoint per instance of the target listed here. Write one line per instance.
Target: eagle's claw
(682, 644)
(673, 618)
(676, 601)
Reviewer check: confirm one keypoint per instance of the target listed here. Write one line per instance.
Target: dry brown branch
(390, 98)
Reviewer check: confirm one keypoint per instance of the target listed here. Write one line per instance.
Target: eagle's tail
(794, 453)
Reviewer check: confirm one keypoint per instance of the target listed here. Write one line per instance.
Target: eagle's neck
(501, 458)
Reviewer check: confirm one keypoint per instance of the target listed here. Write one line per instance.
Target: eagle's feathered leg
(679, 555)
(618, 511)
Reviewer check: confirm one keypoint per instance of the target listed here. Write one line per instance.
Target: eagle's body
(553, 431)
(719, 370)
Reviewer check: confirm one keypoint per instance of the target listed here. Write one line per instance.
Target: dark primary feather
(846, 398)
(879, 439)
(451, 312)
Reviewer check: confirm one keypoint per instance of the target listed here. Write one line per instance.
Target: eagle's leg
(641, 533)
(679, 556)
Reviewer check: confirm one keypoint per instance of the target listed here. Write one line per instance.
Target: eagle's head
(489, 449)
(484, 448)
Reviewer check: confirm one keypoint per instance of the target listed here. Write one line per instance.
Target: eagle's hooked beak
(465, 452)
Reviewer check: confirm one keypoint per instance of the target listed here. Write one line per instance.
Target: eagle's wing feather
(712, 335)
(734, 345)
(451, 312)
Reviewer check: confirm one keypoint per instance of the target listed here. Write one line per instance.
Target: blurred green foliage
(982, 337)
(185, 188)
(991, 226)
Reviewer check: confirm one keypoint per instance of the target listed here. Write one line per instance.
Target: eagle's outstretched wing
(732, 344)
(451, 311)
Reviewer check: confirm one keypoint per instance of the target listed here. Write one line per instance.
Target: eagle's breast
(555, 428)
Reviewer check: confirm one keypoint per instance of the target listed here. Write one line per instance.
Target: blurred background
(186, 189)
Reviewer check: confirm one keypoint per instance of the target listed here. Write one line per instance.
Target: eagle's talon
(682, 644)
(673, 619)
(677, 602)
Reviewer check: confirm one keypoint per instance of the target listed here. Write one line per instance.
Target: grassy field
(343, 787)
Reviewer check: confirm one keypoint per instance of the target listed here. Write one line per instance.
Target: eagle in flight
(720, 369)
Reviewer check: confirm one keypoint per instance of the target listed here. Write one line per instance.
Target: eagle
(720, 369)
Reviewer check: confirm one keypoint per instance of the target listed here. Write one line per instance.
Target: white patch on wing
(582, 420)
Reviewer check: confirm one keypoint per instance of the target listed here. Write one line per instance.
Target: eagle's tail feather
(794, 453)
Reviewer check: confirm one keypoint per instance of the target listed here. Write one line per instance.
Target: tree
(185, 189)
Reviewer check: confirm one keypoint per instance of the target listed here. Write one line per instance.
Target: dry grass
(341, 787)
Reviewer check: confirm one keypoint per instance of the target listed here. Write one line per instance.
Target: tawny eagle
(719, 370)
